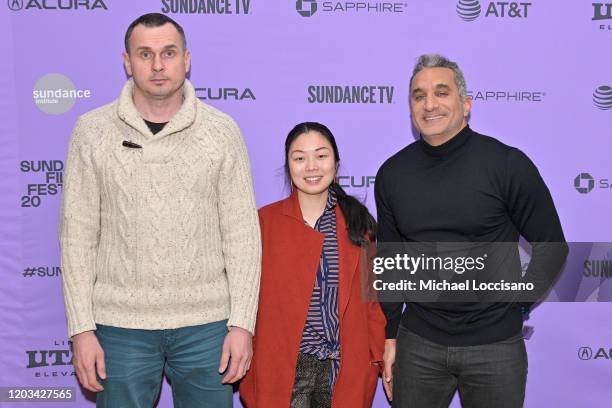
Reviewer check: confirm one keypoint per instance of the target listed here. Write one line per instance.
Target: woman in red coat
(319, 336)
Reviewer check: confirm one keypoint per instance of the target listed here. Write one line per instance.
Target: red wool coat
(291, 252)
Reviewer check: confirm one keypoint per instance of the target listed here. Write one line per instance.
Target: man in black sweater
(455, 185)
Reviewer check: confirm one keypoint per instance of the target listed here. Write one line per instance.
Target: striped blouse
(321, 336)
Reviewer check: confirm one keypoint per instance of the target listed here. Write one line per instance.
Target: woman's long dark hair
(359, 221)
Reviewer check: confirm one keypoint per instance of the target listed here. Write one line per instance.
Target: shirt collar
(332, 199)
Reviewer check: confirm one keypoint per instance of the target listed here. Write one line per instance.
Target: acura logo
(585, 353)
(15, 4)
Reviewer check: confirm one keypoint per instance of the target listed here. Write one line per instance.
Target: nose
(311, 163)
(431, 103)
(158, 64)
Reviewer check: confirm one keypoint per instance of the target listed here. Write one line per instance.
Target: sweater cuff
(75, 327)
(244, 322)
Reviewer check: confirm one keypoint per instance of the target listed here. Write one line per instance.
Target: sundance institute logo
(468, 10)
(584, 183)
(602, 97)
(56, 94)
(306, 8)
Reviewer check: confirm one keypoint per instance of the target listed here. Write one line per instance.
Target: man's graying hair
(439, 61)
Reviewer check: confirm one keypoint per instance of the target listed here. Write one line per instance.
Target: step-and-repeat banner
(539, 72)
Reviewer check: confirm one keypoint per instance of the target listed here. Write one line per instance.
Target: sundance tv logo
(205, 6)
(470, 10)
(602, 97)
(17, 5)
(307, 8)
(355, 94)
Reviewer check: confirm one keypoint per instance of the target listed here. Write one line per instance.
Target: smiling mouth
(432, 118)
(314, 179)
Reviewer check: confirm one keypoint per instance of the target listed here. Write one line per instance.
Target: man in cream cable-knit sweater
(159, 235)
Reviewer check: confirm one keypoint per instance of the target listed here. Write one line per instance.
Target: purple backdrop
(539, 72)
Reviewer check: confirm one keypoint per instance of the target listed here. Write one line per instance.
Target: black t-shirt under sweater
(472, 188)
(155, 127)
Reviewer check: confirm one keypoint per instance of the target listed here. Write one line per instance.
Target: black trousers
(311, 388)
(426, 374)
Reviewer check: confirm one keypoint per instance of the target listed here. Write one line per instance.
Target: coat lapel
(305, 251)
(347, 252)
(349, 257)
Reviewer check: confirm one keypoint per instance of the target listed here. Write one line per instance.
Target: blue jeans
(137, 359)
(426, 374)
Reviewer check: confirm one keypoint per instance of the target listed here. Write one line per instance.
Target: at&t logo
(585, 183)
(602, 97)
(470, 10)
(306, 8)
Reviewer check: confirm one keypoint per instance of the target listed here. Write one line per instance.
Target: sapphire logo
(15, 4)
(306, 8)
(584, 183)
(468, 10)
(506, 96)
(602, 97)
(585, 353)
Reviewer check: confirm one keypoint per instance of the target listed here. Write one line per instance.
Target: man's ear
(126, 63)
(467, 106)
(187, 57)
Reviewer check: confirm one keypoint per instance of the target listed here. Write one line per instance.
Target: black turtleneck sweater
(473, 188)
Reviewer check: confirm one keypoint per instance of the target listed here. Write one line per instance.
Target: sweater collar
(450, 146)
(126, 110)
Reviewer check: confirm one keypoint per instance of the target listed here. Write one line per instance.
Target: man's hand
(389, 360)
(237, 351)
(87, 357)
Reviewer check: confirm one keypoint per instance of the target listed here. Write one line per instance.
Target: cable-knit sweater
(163, 236)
